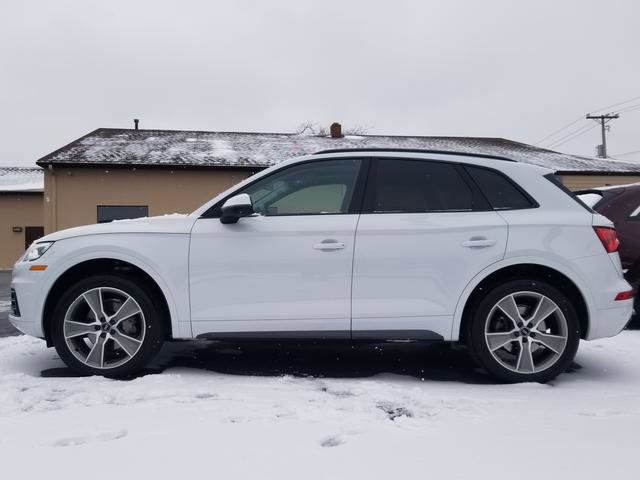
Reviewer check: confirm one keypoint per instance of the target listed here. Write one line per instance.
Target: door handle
(479, 242)
(329, 245)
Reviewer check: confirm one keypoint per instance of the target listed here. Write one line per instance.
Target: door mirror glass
(236, 207)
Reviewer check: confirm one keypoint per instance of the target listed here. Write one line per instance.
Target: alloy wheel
(104, 327)
(526, 332)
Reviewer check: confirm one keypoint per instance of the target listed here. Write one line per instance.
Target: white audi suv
(352, 245)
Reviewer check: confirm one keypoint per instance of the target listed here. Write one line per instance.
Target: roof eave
(598, 172)
(150, 166)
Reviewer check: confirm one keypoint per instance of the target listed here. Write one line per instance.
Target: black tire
(478, 344)
(155, 325)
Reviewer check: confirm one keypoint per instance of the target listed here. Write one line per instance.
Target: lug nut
(520, 324)
(532, 334)
(103, 334)
(517, 334)
(525, 340)
(96, 327)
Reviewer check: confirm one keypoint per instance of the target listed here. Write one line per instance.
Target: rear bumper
(611, 321)
(604, 279)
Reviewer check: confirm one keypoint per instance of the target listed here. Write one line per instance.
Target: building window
(107, 213)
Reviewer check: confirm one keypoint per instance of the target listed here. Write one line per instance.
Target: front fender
(162, 257)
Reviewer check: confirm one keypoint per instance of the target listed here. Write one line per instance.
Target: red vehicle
(621, 204)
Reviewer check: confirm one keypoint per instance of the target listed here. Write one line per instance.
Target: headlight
(36, 250)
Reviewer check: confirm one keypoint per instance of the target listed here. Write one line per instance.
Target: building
(120, 173)
(21, 211)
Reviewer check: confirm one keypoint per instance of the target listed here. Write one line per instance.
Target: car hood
(175, 223)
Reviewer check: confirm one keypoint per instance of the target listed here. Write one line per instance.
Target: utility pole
(603, 119)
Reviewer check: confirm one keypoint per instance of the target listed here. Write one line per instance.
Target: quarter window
(313, 188)
(501, 192)
(415, 186)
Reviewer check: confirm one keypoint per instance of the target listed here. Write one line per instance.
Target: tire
(527, 354)
(108, 325)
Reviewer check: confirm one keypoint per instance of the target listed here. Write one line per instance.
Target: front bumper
(27, 284)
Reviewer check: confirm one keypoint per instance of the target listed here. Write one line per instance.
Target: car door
(286, 270)
(424, 233)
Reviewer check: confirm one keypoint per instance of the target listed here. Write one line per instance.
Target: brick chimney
(336, 130)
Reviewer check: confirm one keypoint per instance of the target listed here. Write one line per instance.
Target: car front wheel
(524, 331)
(107, 325)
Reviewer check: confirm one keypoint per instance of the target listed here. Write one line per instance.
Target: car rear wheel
(524, 331)
(107, 325)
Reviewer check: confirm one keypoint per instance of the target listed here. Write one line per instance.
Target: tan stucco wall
(17, 210)
(73, 194)
(580, 182)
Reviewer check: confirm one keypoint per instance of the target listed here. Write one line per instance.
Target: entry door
(285, 270)
(421, 238)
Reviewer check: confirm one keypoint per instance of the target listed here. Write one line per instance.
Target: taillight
(608, 237)
(628, 295)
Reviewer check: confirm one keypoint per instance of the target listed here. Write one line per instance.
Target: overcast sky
(513, 69)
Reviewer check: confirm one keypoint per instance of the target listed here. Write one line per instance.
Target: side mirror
(236, 207)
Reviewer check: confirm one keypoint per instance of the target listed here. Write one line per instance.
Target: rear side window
(500, 191)
(415, 186)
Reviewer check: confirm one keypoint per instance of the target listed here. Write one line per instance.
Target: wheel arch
(528, 270)
(103, 265)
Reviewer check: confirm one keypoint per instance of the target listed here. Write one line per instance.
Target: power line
(626, 153)
(559, 130)
(570, 136)
(608, 107)
(573, 122)
(630, 108)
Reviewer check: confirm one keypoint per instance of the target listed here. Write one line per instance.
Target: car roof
(374, 150)
(493, 161)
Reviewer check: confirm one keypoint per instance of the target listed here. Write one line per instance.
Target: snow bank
(195, 421)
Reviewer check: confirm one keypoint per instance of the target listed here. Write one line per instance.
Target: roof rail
(414, 150)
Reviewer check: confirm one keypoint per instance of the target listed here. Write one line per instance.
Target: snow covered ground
(234, 412)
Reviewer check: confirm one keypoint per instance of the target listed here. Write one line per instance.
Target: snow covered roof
(175, 148)
(21, 179)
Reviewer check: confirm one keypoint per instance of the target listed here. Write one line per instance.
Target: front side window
(314, 188)
(107, 213)
(414, 186)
